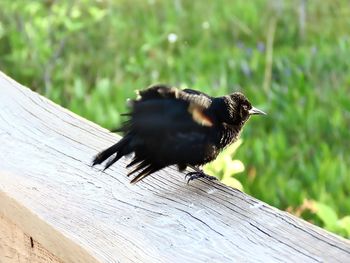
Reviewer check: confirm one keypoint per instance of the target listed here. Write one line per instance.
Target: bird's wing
(162, 91)
(167, 106)
(197, 92)
(167, 126)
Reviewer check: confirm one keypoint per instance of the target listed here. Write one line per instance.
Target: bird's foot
(198, 174)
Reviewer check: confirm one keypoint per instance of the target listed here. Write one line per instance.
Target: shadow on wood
(58, 205)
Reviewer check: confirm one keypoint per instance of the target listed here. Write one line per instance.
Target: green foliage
(90, 56)
(325, 215)
(225, 167)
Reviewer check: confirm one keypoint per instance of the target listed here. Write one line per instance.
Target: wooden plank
(17, 246)
(79, 214)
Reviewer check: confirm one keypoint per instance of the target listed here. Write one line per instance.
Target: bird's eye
(245, 107)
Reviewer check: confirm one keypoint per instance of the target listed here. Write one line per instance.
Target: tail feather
(145, 172)
(144, 168)
(104, 155)
(134, 161)
(113, 160)
(143, 164)
(121, 148)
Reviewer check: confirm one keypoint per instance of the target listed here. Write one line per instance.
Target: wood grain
(49, 190)
(16, 246)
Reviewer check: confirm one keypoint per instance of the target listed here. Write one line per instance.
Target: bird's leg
(198, 173)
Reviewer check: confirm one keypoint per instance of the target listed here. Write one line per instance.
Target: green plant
(225, 167)
(325, 215)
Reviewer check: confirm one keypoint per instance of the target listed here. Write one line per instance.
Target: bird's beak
(254, 111)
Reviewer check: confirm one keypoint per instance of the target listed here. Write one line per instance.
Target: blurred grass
(291, 58)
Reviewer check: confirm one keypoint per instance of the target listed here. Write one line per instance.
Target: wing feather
(165, 126)
(163, 107)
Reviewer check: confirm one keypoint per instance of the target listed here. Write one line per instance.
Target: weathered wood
(16, 246)
(49, 192)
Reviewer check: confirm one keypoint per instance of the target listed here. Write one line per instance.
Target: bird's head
(239, 109)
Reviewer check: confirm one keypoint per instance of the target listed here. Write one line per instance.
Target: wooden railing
(54, 207)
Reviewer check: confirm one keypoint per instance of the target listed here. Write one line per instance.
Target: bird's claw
(198, 174)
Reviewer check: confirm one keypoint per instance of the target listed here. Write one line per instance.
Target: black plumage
(168, 126)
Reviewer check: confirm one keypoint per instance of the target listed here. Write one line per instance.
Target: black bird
(168, 126)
